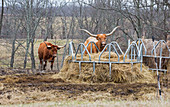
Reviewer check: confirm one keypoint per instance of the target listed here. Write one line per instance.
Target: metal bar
(154, 47)
(109, 51)
(105, 62)
(128, 46)
(132, 44)
(88, 45)
(160, 60)
(141, 56)
(81, 44)
(126, 52)
(71, 50)
(91, 48)
(143, 45)
(110, 69)
(93, 67)
(132, 67)
(163, 70)
(161, 49)
(131, 53)
(134, 55)
(158, 78)
(117, 46)
(81, 48)
(115, 51)
(156, 56)
(141, 66)
(79, 67)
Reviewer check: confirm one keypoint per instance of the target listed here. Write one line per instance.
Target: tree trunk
(51, 31)
(13, 52)
(2, 12)
(32, 55)
(26, 54)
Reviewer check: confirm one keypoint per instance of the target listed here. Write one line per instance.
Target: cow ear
(97, 37)
(58, 48)
(49, 47)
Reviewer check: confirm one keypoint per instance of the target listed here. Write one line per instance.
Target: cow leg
(41, 63)
(45, 65)
(52, 65)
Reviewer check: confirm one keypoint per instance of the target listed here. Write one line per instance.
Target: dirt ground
(22, 86)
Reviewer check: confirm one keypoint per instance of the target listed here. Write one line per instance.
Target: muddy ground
(22, 86)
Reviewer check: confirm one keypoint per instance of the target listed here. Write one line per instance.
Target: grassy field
(22, 89)
(152, 103)
(6, 49)
(19, 88)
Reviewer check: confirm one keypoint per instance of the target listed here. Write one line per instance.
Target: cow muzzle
(103, 44)
(54, 55)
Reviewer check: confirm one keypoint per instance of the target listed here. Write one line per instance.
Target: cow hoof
(43, 71)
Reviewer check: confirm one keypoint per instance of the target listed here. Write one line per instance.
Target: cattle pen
(158, 56)
(90, 80)
(133, 55)
(134, 51)
(136, 57)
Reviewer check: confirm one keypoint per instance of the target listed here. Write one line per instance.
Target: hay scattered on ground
(120, 73)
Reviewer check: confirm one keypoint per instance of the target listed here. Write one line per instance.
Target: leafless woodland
(23, 22)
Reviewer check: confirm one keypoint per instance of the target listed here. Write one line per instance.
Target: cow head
(101, 37)
(53, 51)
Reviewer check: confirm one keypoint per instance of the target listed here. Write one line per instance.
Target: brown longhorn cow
(166, 62)
(99, 40)
(151, 61)
(47, 52)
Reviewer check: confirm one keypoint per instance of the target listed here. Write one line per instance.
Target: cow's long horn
(61, 46)
(93, 35)
(112, 31)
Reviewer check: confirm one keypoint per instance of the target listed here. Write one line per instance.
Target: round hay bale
(120, 73)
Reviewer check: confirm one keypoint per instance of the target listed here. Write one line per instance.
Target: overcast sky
(49, 0)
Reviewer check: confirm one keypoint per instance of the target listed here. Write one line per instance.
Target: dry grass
(41, 90)
(6, 49)
(23, 89)
(120, 73)
(103, 103)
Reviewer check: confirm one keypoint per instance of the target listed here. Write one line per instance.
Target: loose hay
(120, 73)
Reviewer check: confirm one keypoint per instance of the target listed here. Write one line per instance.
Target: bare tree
(32, 21)
(2, 12)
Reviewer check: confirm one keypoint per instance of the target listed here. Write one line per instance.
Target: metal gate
(135, 56)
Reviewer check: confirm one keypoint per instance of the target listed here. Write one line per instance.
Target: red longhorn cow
(149, 46)
(99, 40)
(47, 51)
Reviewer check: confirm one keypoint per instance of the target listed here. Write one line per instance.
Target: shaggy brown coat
(46, 53)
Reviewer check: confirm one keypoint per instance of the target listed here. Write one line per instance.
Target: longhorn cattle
(149, 46)
(166, 62)
(99, 40)
(47, 52)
